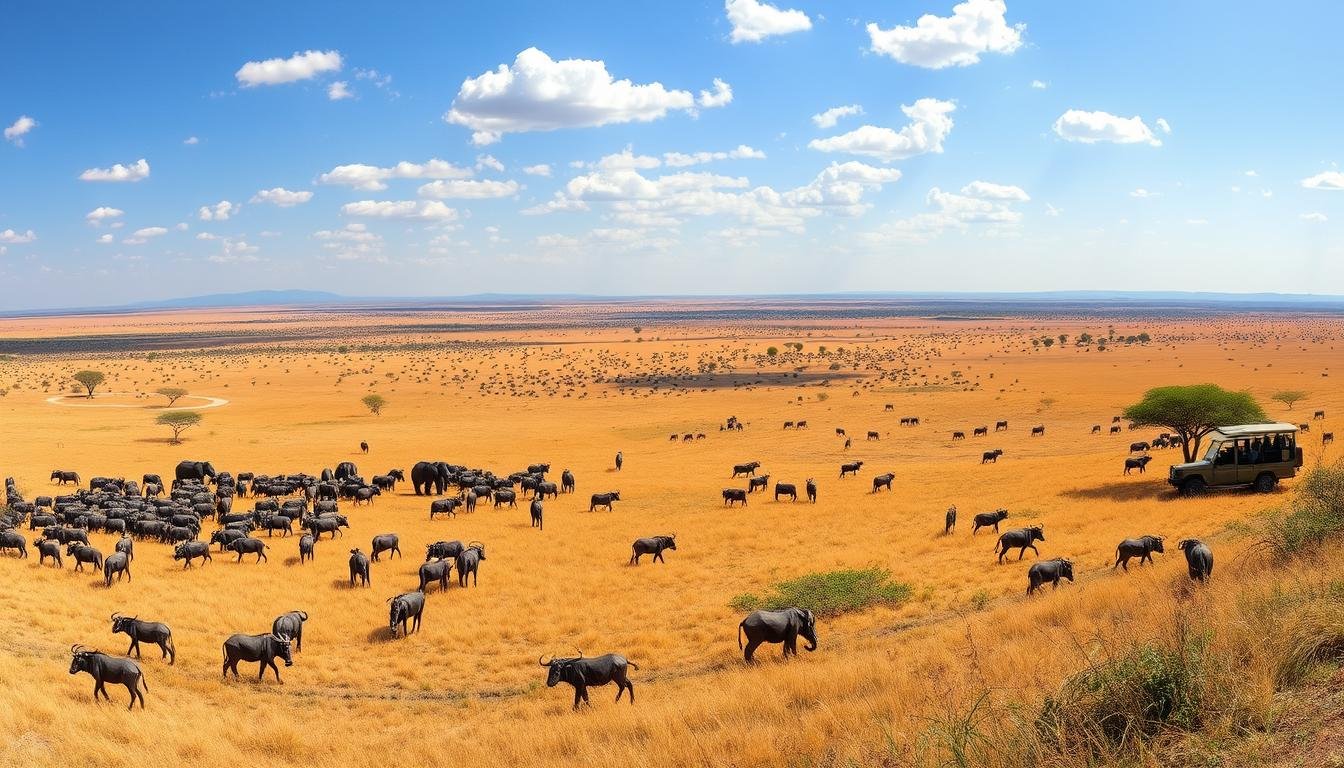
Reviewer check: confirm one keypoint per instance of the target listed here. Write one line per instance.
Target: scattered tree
(1063, 339)
(172, 393)
(1289, 396)
(1194, 411)
(179, 422)
(89, 380)
(1085, 338)
(1048, 342)
(772, 351)
(374, 403)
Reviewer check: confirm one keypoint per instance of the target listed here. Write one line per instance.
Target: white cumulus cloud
(1095, 127)
(742, 152)
(989, 191)
(118, 172)
(931, 122)
(17, 238)
(220, 211)
(339, 90)
(753, 21)
(19, 129)
(143, 235)
(1314, 216)
(372, 177)
(468, 189)
(300, 66)
(974, 28)
(284, 198)
(1325, 180)
(830, 117)
(721, 96)
(540, 169)
(102, 213)
(424, 210)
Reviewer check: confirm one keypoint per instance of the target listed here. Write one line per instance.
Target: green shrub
(830, 593)
(1315, 514)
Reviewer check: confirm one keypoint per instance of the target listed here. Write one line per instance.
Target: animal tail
(632, 664)
(739, 634)
(145, 683)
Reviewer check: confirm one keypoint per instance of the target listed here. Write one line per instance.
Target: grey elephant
(782, 626)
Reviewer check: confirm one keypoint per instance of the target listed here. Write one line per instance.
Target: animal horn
(544, 663)
(580, 651)
(114, 616)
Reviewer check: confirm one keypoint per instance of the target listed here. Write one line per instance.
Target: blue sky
(636, 148)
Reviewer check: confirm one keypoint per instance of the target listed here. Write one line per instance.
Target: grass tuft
(830, 593)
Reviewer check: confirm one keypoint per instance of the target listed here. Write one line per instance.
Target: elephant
(782, 626)
(195, 470)
(427, 474)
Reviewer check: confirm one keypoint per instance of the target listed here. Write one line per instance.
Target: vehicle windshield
(1259, 449)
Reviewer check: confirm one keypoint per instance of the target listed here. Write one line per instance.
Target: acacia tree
(179, 422)
(1289, 396)
(89, 380)
(172, 393)
(374, 403)
(1194, 411)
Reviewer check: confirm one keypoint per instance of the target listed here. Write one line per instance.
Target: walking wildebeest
(998, 425)
(118, 563)
(14, 541)
(307, 546)
(566, 482)
(787, 425)
(958, 435)
(802, 425)
(469, 562)
(190, 550)
(950, 520)
(259, 648)
(359, 567)
(1318, 415)
(146, 631)
(435, 571)
(1020, 539)
(1039, 429)
(405, 608)
(1096, 429)
(811, 490)
(1198, 557)
(731, 495)
(1327, 438)
(603, 500)
(581, 673)
(851, 468)
(1049, 571)
(620, 461)
(786, 489)
(442, 550)
(1142, 548)
(757, 482)
(248, 546)
(48, 548)
(653, 545)
(443, 507)
(747, 469)
(290, 625)
(1139, 447)
(387, 542)
(363, 447)
(991, 457)
(782, 626)
(1115, 430)
(873, 435)
(1141, 463)
(883, 481)
(106, 669)
(506, 496)
(980, 432)
(535, 511)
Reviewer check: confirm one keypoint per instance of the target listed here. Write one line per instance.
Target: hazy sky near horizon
(166, 149)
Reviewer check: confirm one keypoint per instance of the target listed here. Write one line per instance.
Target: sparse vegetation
(375, 403)
(1289, 397)
(178, 422)
(172, 393)
(89, 380)
(1194, 411)
(831, 593)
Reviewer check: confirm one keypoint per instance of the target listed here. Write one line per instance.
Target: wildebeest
(404, 608)
(146, 631)
(223, 536)
(363, 447)
(1115, 429)
(1318, 415)
(290, 625)
(535, 511)
(872, 435)
(359, 567)
(435, 571)
(326, 524)
(652, 545)
(991, 457)
(107, 669)
(802, 425)
(950, 520)
(760, 482)
(603, 500)
(998, 425)
(839, 432)
(387, 542)
(567, 481)
(469, 562)
(546, 488)
(126, 546)
(748, 469)
(731, 495)
(852, 468)
(118, 563)
(1327, 438)
(62, 477)
(581, 673)
(48, 548)
(346, 469)
(1048, 571)
(980, 432)
(1198, 557)
(883, 481)
(442, 550)
(259, 648)
(1039, 429)
(14, 541)
(958, 435)
(782, 626)
(620, 461)
(506, 496)
(248, 546)
(1139, 463)
(1096, 429)
(307, 547)
(1139, 447)
(786, 489)
(190, 550)
(1020, 539)
(1142, 548)
(443, 507)
(787, 425)
(811, 490)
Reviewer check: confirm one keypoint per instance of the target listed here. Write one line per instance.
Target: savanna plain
(956, 667)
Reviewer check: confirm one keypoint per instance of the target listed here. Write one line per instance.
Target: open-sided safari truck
(1256, 455)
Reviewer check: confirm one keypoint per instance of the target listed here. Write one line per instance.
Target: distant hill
(243, 299)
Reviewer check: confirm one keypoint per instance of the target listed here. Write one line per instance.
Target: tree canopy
(1289, 396)
(178, 421)
(89, 380)
(374, 403)
(172, 393)
(1194, 411)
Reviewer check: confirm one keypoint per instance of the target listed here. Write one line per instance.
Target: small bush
(1315, 514)
(830, 593)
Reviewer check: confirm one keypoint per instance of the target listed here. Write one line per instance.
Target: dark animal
(620, 461)
(748, 469)
(1327, 438)
(998, 425)
(48, 548)
(603, 500)
(731, 495)
(118, 563)
(1039, 429)
(307, 545)
(248, 546)
(438, 570)
(14, 541)
(883, 481)
(387, 542)
(290, 625)
(195, 470)
(839, 432)
(582, 673)
(145, 631)
(1096, 429)
(190, 550)
(958, 435)
(259, 648)
(1020, 539)
(653, 545)
(1142, 548)
(991, 457)
(62, 477)
(363, 447)
(757, 482)
(1139, 447)
(1115, 430)
(786, 489)
(950, 520)
(535, 511)
(359, 567)
(851, 468)
(469, 562)
(105, 669)
(567, 481)
(506, 496)
(1198, 557)
(223, 536)
(1048, 571)
(1140, 464)
(811, 490)
(1318, 415)
(404, 608)
(442, 550)
(782, 626)
(874, 435)
(980, 432)
(126, 546)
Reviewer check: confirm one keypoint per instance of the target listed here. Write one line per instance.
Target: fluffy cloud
(988, 191)
(234, 252)
(931, 122)
(975, 27)
(469, 189)
(1143, 194)
(537, 93)
(753, 21)
(19, 129)
(979, 204)
(105, 239)
(721, 96)
(372, 177)
(1094, 127)
(17, 238)
(1326, 180)
(339, 90)
(300, 66)
(422, 210)
(191, 141)
(102, 213)
(118, 172)
(354, 242)
(1314, 216)
(1162, 123)
(742, 152)
(284, 198)
(830, 117)
(489, 161)
(220, 211)
(1039, 85)
(540, 169)
(141, 236)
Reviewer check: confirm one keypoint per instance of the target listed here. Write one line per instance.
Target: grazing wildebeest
(546, 488)
(14, 541)
(802, 425)
(839, 432)
(438, 570)
(787, 425)
(786, 489)
(106, 669)
(248, 546)
(883, 481)
(1020, 539)
(365, 495)
(321, 525)
(1327, 438)
(991, 457)
(811, 490)
(146, 631)
(1048, 571)
(950, 520)
(567, 481)
(443, 507)
(259, 648)
(757, 482)
(673, 437)
(958, 435)
(1318, 415)
(118, 563)
(363, 447)
(731, 495)
(782, 626)
(873, 435)
(126, 546)
(998, 425)
(223, 536)
(620, 461)
(190, 550)
(748, 469)
(1039, 429)
(307, 545)
(535, 511)
(469, 562)
(890, 407)
(290, 625)
(62, 477)
(359, 567)
(1142, 548)
(1139, 447)
(405, 608)
(1096, 429)
(506, 496)
(581, 673)
(48, 548)
(980, 432)
(603, 500)
(1141, 464)
(387, 542)
(442, 550)
(1198, 557)
(851, 468)
(652, 545)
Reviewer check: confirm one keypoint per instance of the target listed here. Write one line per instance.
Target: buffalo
(359, 567)
(248, 546)
(469, 562)
(1139, 463)
(438, 570)
(387, 542)
(883, 481)
(290, 625)
(731, 495)
(786, 489)
(991, 457)
(603, 500)
(986, 519)
(1198, 557)
(851, 468)
(653, 545)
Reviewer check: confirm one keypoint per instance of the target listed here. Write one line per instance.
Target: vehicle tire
(1194, 486)
(1265, 483)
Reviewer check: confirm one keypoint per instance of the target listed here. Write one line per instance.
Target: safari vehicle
(1256, 455)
